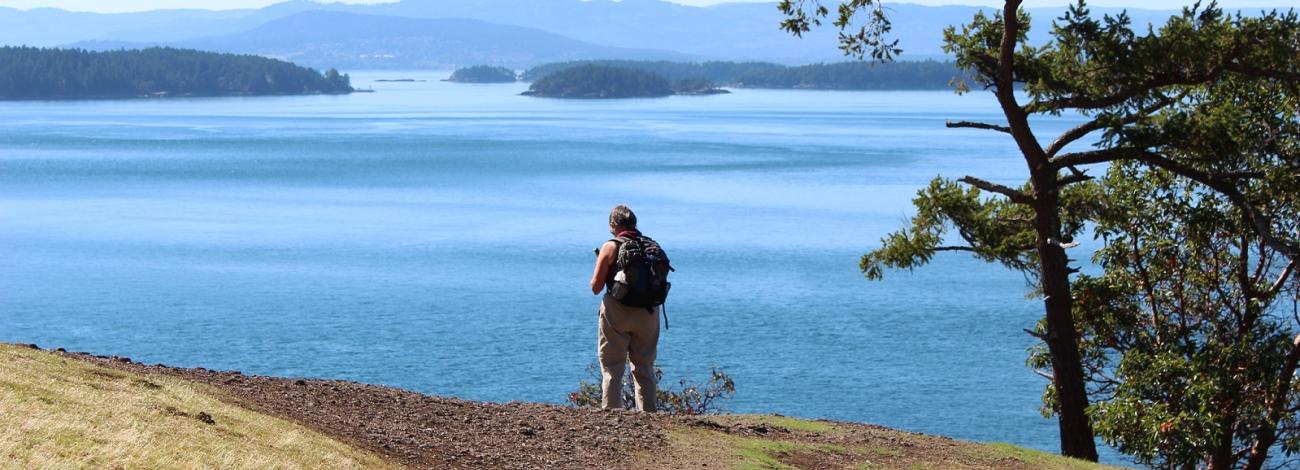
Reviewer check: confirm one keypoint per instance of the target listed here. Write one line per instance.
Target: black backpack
(640, 277)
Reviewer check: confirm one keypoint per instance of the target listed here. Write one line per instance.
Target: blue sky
(138, 5)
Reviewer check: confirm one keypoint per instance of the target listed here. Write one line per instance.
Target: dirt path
(434, 432)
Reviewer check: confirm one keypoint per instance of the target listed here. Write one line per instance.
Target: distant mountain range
(507, 32)
(354, 41)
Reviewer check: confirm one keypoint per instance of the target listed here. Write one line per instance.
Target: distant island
(483, 74)
(697, 86)
(915, 75)
(403, 80)
(599, 81)
(28, 73)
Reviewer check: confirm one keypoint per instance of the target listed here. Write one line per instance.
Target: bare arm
(604, 262)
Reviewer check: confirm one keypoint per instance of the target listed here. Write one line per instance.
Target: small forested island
(483, 74)
(900, 75)
(697, 86)
(599, 81)
(29, 73)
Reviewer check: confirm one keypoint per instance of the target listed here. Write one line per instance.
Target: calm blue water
(438, 237)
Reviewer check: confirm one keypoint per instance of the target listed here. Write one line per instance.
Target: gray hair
(622, 216)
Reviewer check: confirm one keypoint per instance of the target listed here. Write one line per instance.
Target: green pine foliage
(483, 74)
(40, 73)
(1177, 354)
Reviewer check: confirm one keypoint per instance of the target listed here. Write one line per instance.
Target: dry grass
(62, 413)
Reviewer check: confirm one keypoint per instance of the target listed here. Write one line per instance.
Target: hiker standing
(633, 271)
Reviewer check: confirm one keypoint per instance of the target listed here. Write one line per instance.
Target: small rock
(30, 346)
(300, 382)
(205, 418)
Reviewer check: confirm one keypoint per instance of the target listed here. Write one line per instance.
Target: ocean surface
(438, 237)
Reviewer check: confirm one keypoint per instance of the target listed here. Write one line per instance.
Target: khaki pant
(627, 333)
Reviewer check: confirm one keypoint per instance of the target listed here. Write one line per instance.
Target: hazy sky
(137, 5)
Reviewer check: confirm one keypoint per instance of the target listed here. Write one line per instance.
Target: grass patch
(793, 424)
(691, 447)
(764, 454)
(885, 452)
(1035, 458)
(837, 446)
(760, 455)
(63, 413)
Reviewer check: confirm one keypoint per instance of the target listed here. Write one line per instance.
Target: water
(437, 237)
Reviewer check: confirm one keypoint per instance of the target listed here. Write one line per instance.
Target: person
(626, 332)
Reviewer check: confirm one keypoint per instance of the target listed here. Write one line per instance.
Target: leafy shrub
(686, 399)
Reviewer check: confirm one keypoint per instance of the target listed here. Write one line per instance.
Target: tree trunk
(1062, 338)
(1221, 456)
(1267, 434)
(1054, 272)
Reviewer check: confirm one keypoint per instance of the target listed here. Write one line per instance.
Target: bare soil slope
(423, 431)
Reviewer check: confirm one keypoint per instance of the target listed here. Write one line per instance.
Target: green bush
(686, 399)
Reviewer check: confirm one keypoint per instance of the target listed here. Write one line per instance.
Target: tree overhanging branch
(955, 248)
(1015, 196)
(1078, 132)
(1263, 225)
(977, 125)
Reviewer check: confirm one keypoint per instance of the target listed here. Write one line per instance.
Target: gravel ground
(434, 432)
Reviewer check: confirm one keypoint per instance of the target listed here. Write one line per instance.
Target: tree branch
(1091, 157)
(1281, 279)
(977, 125)
(1074, 178)
(1276, 405)
(1115, 99)
(985, 59)
(954, 248)
(1086, 128)
(1223, 183)
(1263, 226)
(1012, 194)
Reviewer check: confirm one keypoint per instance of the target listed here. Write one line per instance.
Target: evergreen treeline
(596, 81)
(920, 75)
(715, 72)
(39, 73)
(916, 75)
(483, 74)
